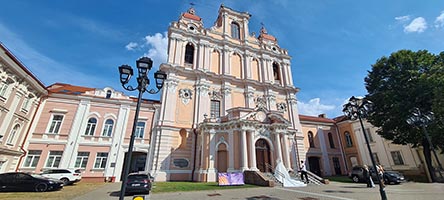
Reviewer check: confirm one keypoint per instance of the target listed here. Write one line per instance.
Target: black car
(390, 177)
(19, 181)
(139, 183)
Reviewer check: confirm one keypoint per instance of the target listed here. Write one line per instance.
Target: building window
(375, 156)
(108, 94)
(82, 159)
(215, 108)
(397, 158)
(12, 134)
(311, 139)
(276, 74)
(348, 139)
(140, 130)
(330, 139)
(32, 158)
(91, 126)
(25, 104)
(3, 88)
(369, 135)
(235, 31)
(101, 160)
(54, 159)
(108, 128)
(189, 53)
(56, 122)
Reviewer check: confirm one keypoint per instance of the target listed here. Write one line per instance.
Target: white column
(252, 151)
(278, 146)
(226, 90)
(286, 152)
(244, 164)
(212, 150)
(178, 60)
(171, 50)
(230, 152)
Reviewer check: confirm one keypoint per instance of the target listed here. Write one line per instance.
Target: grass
(160, 187)
(68, 192)
(342, 179)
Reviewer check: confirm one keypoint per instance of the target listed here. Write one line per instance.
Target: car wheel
(41, 187)
(355, 179)
(65, 181)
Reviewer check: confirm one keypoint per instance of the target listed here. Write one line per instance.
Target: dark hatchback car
(18, 181)
(390, 177)
(139, 183)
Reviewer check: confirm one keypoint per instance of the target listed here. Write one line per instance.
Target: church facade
(229, 103)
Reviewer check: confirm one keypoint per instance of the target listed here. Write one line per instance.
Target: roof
(64, 88)
(340, 118)
(191, 16)
(315, 119)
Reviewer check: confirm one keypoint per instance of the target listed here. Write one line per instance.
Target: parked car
(19, 181)
(67, 176)
(139, 183)
(390, 177)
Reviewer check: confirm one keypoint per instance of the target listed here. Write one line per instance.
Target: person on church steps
(303, 170)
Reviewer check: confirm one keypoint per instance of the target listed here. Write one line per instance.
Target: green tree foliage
(401, 82)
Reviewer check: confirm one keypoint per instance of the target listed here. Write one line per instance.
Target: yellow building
(229, 103)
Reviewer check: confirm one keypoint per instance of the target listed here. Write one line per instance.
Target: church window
(276, 72)
(235, 32)
(215, 108)
(189, 53)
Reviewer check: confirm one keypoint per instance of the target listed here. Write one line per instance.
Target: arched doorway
(222, 158)
(263, 155)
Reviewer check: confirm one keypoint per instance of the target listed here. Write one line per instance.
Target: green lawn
(160, 187)
(342, 179)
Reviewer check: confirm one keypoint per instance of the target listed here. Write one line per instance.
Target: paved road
(332, 191)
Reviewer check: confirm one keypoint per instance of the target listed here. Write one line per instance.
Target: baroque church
(229, 103)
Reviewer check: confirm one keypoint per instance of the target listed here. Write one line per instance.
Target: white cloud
(131, 46)
(439, 21)
(403, 18)
(157, 44)
(418, 25)
(314, 107)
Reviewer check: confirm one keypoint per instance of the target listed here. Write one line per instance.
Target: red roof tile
(191, 16)
(315, 119)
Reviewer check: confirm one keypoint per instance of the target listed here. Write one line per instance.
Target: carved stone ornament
(261, 102)
(185, 95)
(215, 95)
(281, 107)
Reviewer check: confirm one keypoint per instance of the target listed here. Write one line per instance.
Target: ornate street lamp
(420, 119)
(358, 108)
(144, 65)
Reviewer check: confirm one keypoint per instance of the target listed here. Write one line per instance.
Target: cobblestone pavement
(332, 191)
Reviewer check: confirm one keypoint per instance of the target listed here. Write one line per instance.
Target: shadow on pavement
(354, 187)
(262, 197)
(337, 191)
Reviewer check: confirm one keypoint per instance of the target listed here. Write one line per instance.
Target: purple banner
(233, 178)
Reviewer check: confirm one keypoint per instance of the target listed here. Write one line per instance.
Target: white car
(67, 176)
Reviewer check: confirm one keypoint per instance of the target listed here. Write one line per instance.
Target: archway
(222, 158)
(263, 160)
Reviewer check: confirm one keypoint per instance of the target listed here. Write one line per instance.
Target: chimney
(323, 115)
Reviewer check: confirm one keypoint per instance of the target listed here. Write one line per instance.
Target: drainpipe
(194, 154)
(27, 133)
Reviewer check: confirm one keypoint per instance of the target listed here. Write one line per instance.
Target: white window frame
(398, 154)
(107, 131)
(100, 162)
(83, 159)
(90, 127)
(140, 130)
(4, 89)
(26, 103)
(12, 135)
(59, 123)
(53, 159)
(33, 157)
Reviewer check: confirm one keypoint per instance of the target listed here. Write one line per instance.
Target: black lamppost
(358, 108)
(420, 119)
(144, 65)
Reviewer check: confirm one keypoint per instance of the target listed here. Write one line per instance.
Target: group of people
(368, 177)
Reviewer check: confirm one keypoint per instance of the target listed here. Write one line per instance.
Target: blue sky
(332, 43)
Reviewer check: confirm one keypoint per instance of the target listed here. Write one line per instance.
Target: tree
(399, 83)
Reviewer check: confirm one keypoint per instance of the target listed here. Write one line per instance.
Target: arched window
(276, 75)
(12, 135)
(348, 139)
(311, 139)
(189, 53)
(91, 126)
(108, 94)
(235, 32)
(330, 139)
(108, 128)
